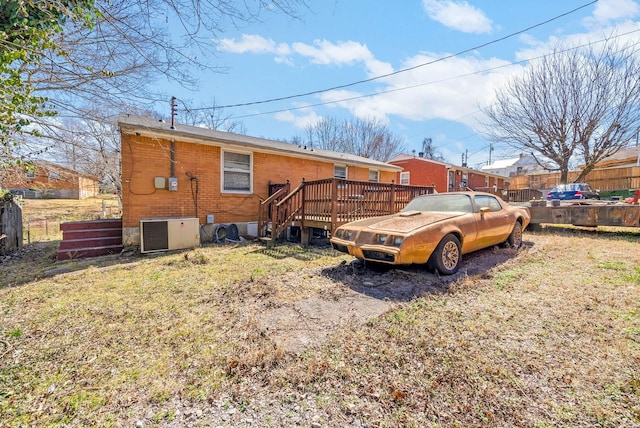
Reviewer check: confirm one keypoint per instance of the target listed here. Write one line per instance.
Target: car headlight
(396, 241)
(381, 239)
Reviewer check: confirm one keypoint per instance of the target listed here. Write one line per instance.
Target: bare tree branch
(580, 103)
(368, 138)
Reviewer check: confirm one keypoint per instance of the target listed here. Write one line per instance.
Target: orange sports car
(436, 229)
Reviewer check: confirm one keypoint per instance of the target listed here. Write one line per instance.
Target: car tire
(515, 237)
(447, 256)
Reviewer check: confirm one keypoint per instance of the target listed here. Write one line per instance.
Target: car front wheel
(447, 256)
(515, 238)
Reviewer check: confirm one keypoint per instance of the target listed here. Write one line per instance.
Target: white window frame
(405, 178)
(54, 175)
(31, 174)
(337, 167)
(376, 178)
(223, 170)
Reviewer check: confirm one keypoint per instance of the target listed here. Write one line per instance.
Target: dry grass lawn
(548, 336)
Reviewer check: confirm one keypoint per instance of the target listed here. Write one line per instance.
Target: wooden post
(274, 224)
(303, 203)
(392, 198)
(305, 236)
(334, 204)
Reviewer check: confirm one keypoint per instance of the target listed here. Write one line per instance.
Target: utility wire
(405, 69)
(485, 70)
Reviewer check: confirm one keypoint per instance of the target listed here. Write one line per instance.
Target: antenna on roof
(173, 112)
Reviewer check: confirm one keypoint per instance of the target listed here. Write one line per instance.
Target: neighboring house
(627, 157)
(522, 165)
(620, 171)
(49, 181)
(419, 171)
(217, 177)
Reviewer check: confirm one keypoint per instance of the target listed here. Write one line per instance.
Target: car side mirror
(484, 210)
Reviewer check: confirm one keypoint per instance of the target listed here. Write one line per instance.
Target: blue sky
(339, 42)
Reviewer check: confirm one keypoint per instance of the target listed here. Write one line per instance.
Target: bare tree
(429, 150)
(368, 138)
(90, 73)
(581, 103)
(212, 118)
(326, 134)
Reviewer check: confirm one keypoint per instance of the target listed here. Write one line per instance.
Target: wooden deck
(329, 203)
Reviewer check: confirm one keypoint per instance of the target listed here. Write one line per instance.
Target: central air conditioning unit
(162, 234)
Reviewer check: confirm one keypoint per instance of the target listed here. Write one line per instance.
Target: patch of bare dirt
(370, 291)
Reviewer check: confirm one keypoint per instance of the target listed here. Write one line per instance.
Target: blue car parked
(572, 191)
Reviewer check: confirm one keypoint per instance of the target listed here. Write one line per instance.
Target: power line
(431, 82)
(405, 69)
(404, 88)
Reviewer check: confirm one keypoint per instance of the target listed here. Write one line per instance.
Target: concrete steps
(90, 238)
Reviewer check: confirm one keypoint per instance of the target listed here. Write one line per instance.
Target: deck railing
(328, 203)
(265, 208)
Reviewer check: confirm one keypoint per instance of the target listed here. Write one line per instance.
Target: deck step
(98, 241)
(90, 233)
(90, 238)
(92, 224)
(88, 252)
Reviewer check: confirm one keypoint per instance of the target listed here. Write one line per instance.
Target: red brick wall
(67, 184)
(424, 173)
(18, 179)
(144, 158)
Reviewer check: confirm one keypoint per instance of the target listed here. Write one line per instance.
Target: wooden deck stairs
(329, 203)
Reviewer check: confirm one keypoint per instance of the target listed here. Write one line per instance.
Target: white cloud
(253, 43)
(613, 10)
(342, 53)
(321, 52)
(458, 15)
(451, 90)
(299, 120)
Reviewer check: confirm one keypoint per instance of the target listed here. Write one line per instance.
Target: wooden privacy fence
(10, 226)
(328, 203)
(605, 179)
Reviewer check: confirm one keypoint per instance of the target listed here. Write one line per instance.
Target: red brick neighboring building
(49, 181)
(418, 171)
(196, 172)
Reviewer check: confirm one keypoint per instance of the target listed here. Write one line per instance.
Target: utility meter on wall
(173, 183)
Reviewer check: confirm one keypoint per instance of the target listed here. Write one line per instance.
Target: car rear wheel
(515, 238)
(447, 256)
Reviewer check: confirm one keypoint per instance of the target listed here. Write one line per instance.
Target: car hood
(405, 222)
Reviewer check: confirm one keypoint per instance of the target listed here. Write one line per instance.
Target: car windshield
(571, 187)
(441, 203)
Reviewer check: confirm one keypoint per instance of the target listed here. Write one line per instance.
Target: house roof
(403, 157)
(502, 163)
(59, 168)
(145, 126)
(626, 153)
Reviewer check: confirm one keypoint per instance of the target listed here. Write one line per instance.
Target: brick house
(217, 177)
(419, 171)
(522, 165)
(49, 181)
